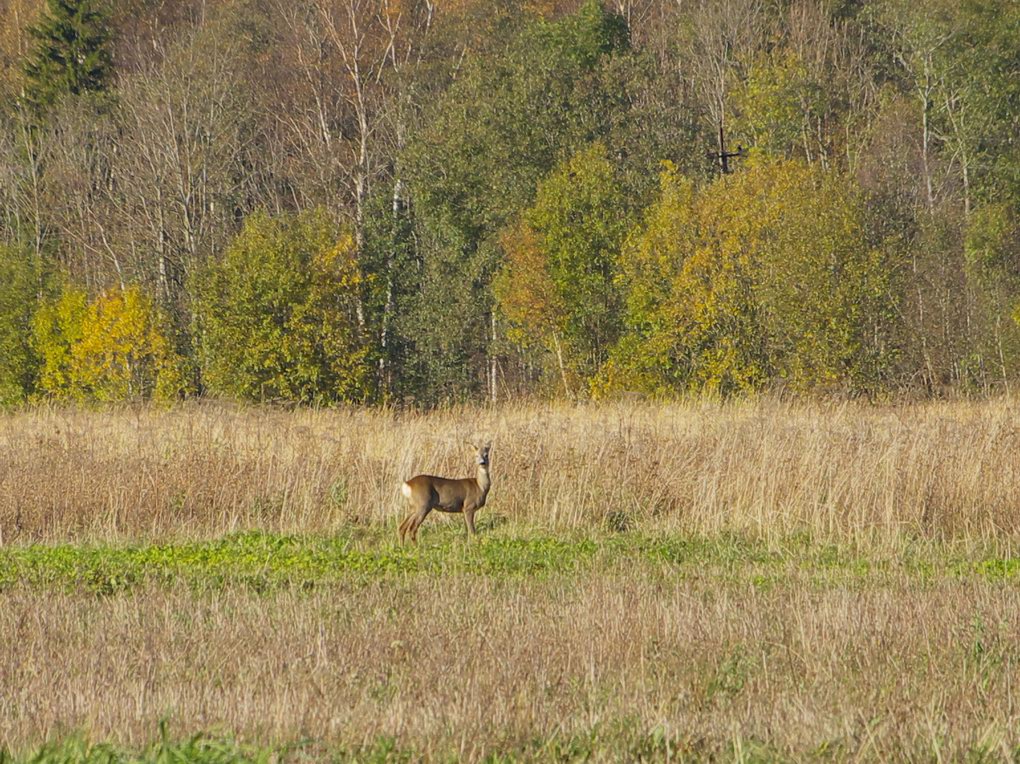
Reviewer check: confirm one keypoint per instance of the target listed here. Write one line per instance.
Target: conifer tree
(72, 53)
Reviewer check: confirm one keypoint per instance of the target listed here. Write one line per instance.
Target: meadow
(756, 581)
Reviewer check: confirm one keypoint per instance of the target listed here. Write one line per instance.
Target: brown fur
(427, 492)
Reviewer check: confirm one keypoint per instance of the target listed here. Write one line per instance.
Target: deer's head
(483, 455)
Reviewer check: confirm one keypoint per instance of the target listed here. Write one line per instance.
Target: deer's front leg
(469, 521)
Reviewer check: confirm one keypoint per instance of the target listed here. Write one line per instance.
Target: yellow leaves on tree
(654, 250)
(279, 313)
(110, 349)
(558, 286)
(762, 277)
(649, 264)
(775, 102)
(525, 290)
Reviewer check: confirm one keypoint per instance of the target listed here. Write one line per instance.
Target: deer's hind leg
(416, 520)
(405, 523)
(408, 524)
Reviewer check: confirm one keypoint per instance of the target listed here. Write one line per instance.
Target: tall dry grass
(470, 666)
(942, 470)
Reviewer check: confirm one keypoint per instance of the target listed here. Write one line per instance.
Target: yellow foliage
(108, 350)
(525, 290)
(771, 277)
(56, 329)
(278, 313)
(774, 102)
(654, 251)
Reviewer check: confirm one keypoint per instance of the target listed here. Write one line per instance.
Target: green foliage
(978, 57)
(767, 275)
(19, 285)
(981, 60)
(72, 53)
(507, 120)
(444, 325)
(775, 104)
(992, 249)
(510, 118)
(559, 285)
(264, 562)
(111, 349)
(392, 276)
(198, 749)
(278, 315)
(588, 34)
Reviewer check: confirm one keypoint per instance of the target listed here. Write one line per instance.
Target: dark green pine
(72, 54)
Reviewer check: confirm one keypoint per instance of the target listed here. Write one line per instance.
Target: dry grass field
(948, 471)
(753, 581)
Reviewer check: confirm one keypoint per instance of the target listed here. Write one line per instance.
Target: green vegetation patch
(612, 740)
(199, 750)
(262, 561)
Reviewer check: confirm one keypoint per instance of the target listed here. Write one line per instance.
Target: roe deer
(427, 492)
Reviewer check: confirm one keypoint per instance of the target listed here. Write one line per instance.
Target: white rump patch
(406, 490)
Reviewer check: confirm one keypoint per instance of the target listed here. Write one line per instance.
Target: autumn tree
(113, 348)
(651, 260)
(558, 286)
(19, 283)
(767, 277)
(277, 316)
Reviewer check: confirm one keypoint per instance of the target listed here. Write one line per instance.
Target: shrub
(111, 349)
(18, 362)
(278, 315)
(769, 276)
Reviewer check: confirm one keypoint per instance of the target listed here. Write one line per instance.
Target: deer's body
(427, 492)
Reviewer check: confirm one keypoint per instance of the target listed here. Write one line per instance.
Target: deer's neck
(483, 479)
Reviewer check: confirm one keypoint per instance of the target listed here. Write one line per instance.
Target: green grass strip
(263, 561)
(610, 740)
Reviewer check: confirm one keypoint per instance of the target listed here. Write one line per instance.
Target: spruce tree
(72, 54)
